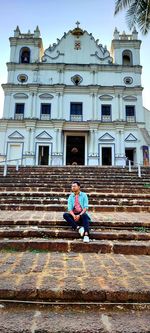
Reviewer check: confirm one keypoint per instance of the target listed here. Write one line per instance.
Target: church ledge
(42, 86)
(42, 65)
(64, 121)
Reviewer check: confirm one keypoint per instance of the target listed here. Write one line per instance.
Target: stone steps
(42, 259)
(43, 223)
(132, 247)
(71, 318)
(51, 201)
(41, 189)
(58, 208)
(98, 234)
(74, 276)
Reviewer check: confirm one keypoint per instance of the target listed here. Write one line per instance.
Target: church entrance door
(130, 154)
(75, 150)
(43, 155)
(106, 156)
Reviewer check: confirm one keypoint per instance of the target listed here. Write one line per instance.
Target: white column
(117, 142)
(122, 146)
(93, 107)
(121, 109)
(32, 148)
(56, 141)
(93, 77)
(58, 105)
(91, 141)
(31, 104)
(119, 114)
(59, 141)
(7, 113)
(34, 111)
(95, 142)
(29, 139)
(61, 106)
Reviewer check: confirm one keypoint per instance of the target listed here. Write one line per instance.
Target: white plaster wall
(118, 54)
(15, 52)
(147, 118)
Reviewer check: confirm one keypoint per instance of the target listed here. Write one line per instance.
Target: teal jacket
(83, 200)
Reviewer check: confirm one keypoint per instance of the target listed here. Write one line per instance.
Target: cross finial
(77, 23)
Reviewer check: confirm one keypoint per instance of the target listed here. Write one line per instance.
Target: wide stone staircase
(109, 189)
(53, 282)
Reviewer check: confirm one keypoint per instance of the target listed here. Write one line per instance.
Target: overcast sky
(54, 17)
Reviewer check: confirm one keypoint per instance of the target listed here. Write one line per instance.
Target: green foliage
(147, 185)
(141, 229)
(137, 13)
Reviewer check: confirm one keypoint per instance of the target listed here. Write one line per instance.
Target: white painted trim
(20, 152)
(39, 144)
(107, 145)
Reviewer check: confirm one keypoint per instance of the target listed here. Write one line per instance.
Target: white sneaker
(81, 231)
(86, 239)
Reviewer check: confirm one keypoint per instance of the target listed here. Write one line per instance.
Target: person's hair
(76, 182)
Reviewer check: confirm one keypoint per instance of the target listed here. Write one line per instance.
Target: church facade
(75, 103)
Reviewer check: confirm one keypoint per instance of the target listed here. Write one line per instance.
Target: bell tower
(125, 49)
(26, 48)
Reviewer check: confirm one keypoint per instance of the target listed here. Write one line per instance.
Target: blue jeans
(84, 221)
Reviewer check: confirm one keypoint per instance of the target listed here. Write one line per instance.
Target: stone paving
(74, 319)
(98, 216)
(74, 277)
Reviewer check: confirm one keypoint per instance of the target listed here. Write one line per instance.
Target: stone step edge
(95, 208)
(75, 295)
(43, 223)
(61, 245)
(97, 235)
(64, 195)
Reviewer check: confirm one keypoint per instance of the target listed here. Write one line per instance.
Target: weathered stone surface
(71, 319)
(75, 277)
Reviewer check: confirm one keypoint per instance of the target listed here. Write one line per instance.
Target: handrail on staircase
(12, 160)
(138, 166)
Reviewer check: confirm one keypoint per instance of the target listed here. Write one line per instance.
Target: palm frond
(143, 16)
(121, 4)
(131, 14)
(137, 12)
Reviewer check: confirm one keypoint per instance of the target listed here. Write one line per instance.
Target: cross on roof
(77, 23)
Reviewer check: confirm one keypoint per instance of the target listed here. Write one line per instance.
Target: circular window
(22, 78)
(128, 80)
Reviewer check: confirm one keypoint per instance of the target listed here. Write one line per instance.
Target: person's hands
(77, 217)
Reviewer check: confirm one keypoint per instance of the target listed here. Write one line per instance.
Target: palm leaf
(143, 16)
(131, 15)
(121, 4)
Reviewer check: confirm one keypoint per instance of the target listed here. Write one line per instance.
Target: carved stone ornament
(76, 79)
(77, 45)
(77, 31)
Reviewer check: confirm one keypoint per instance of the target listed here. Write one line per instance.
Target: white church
(75, 103)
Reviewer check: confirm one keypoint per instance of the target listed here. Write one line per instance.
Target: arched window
(25, 55)
(127, 58)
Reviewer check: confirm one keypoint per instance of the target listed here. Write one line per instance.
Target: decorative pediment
(106, 97)
(130, 137)
(46, 96)
(106, 137)
(77, 47)
(20, 96)
(44, 135)
(16, 135)
(130, 98)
